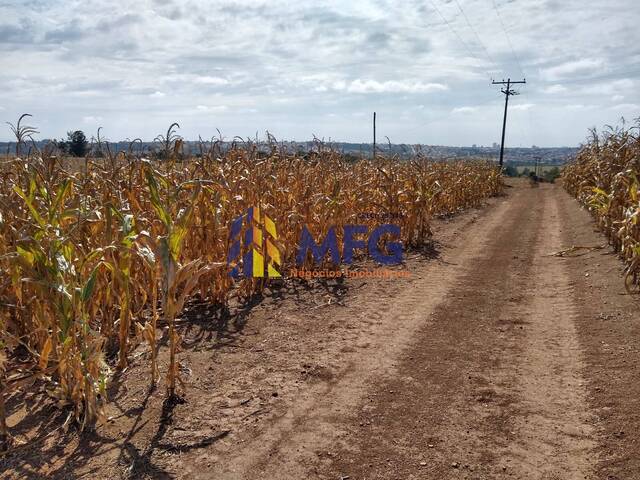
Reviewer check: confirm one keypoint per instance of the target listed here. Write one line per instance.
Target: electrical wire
(486, 51)
(460, 39)
(506, 34)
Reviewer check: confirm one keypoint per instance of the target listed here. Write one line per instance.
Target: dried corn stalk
(97, 251)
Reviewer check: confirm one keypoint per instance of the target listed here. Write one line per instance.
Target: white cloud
(328, 83)
(579, 106)
(629, 107)
(523, 106)
(206, 80)
(608, 87)
(157, 94)
(90, 119)
(464, 110)
(567, 69)
(211, 109)
(393, 86)
(195, 79)
(553, 89)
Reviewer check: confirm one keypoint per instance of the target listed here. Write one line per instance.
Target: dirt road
(494, 360)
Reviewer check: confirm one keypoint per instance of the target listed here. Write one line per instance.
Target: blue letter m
(329, 245)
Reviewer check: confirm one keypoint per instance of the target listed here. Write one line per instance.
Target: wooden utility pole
(507, 93)
(374, 135)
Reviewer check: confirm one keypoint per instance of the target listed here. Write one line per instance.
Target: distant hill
(514, 155)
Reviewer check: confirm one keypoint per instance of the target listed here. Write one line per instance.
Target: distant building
(495, 145)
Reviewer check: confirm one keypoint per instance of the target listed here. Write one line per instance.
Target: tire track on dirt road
(493, 387)
(554, 433)
(289, 447)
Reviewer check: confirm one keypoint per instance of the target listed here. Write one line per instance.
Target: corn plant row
(96, 253)
(605, 177)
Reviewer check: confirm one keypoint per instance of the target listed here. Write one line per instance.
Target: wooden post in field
(374, 135)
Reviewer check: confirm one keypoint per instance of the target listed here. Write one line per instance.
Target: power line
(491, 60)
(455, 32)
(506, 34)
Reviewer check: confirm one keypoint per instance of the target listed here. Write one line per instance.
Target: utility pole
(374, 135)
(507, 93)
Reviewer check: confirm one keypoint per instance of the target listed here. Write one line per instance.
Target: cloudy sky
(301, 68)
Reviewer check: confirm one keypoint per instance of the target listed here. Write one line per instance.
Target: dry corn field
(98, 254)
(605, 177)
(130, 352)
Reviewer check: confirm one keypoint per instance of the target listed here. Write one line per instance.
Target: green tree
(63, 146)
(510, 170)
(77, 143)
